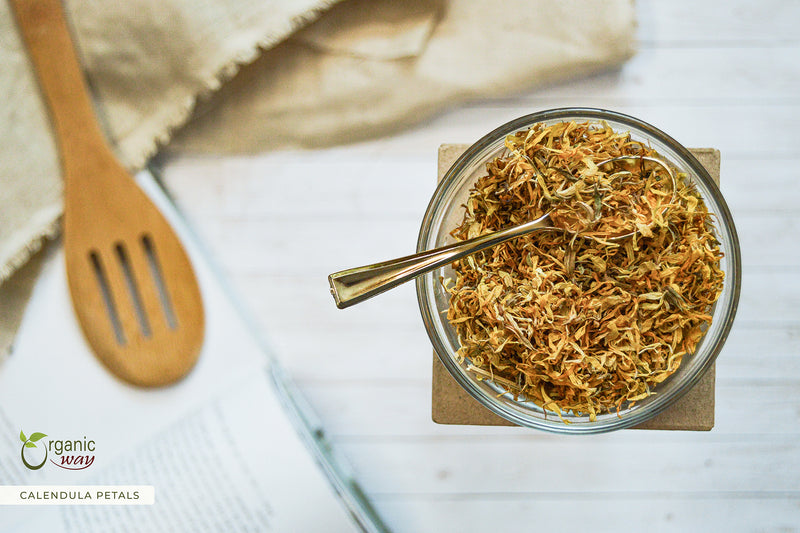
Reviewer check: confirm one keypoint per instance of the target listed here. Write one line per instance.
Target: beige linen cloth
(251, 75)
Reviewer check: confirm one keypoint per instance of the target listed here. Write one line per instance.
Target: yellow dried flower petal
(583, 324)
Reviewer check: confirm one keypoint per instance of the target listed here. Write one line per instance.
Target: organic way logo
(66, 452)
(31, 443)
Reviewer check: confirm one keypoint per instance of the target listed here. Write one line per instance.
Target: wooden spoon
(132, 285)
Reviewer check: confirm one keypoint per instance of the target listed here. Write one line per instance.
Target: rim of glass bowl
(711, 343)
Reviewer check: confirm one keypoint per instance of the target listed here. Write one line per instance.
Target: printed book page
(217, 449)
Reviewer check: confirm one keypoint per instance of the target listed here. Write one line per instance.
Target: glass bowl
(445, 212)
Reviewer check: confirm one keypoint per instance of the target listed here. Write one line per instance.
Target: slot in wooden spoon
(132, 285)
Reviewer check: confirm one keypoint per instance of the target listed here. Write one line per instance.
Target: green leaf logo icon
(30, 442)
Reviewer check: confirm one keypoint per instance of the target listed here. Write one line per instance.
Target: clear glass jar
(445, 212)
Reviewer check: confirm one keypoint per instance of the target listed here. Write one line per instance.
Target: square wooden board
(451, 404)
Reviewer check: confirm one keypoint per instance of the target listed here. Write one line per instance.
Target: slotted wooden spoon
(132, 285)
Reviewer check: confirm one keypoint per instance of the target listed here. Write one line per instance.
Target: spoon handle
(44, 28)
(355, 285)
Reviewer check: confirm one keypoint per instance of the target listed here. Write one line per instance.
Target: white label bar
(77, 495)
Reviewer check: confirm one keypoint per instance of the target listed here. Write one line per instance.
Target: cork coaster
(453, 405)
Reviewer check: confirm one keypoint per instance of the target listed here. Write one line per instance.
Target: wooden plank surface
(723, 74)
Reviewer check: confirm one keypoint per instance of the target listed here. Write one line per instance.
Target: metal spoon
(355, 285)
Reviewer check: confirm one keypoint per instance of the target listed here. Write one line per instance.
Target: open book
(228, 448)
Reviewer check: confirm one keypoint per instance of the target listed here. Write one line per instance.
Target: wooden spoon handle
(44, 28)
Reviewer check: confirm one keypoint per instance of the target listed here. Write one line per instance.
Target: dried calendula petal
(574, 321)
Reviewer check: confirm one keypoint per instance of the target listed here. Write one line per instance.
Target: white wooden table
(720, 74)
